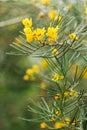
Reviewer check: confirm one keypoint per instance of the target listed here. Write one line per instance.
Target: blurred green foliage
(14, 91)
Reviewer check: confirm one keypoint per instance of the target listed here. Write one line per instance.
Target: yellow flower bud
(43, 125)
(27, 22)
(59, 125)
(73, 36)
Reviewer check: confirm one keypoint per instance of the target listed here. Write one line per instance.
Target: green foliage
(14, 91)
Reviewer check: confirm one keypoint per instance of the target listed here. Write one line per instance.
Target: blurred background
(14, 91)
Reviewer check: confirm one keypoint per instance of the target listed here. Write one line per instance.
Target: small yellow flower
(29, 34)
(35, 69)
(45, 2)
(39, 34)
(27, 30)
(57, 77)
(27, 22)
(59, 125)
(73, 36)
(58, 113)
(73, 93)
(29, 37)
(57, 96)
(43, 125)
(43, 85)
(52, 14)
(29, 72)
(52, 34)
(54, 52)
(66, 94)
(26, 77)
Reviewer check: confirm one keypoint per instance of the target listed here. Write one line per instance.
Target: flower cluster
(60, 124)
(39, 34)
(73, 36)
(30, 73)
(66, 95)
(57, 77)
(52, 34)
(31, 35)
(45, 36)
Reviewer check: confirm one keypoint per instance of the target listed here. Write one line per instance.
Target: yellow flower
(27, 22)
(43, 85)
(39, 34)
(45, 2)
(29, 34)
(35, 69)
(29, 37)
(44, 64)
(58, 113)
(52, 33)
(73, 36)
(26, 77)
(43, 125)
(66, 94)
(52, 14)
(57, 77)
(57, 96)
(27, 30)
(54, 52)
(29, 72)
(73, 93)
(59, 125)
